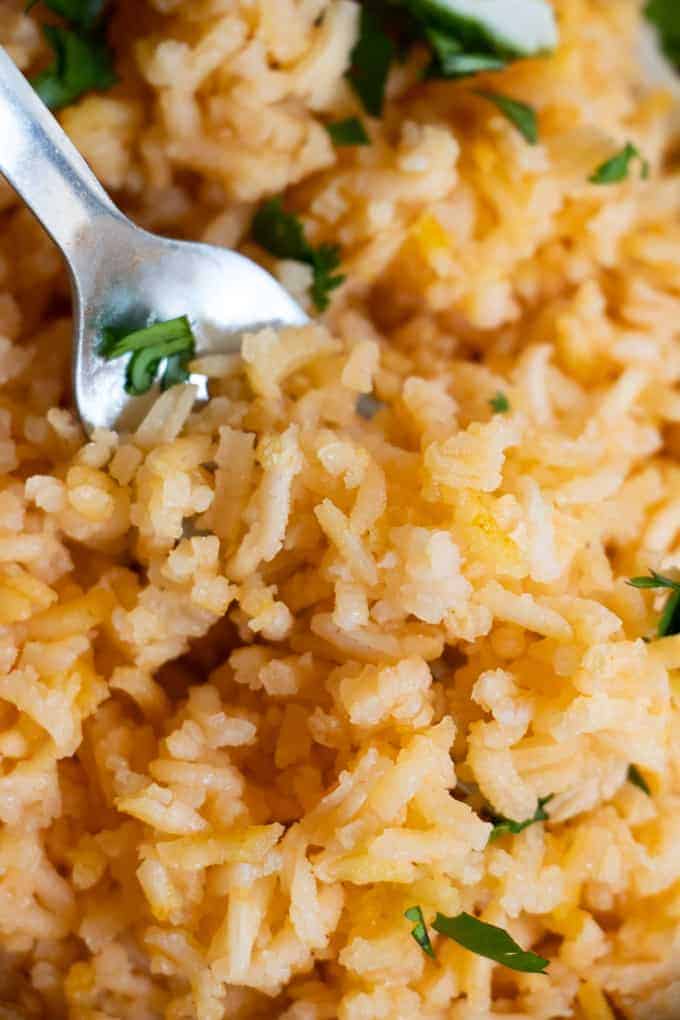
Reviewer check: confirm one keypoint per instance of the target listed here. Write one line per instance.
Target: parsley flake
(282, 234)
(635, 777)
(81, 64)
(616, 169)
(172, 341)
(479, 937)
(522, 116)
(419, 932)
(500, 403)
(503, 826)
(663, 14)
(669, 621)
(464, 37)
(83, 13)
(490, 941)
(522, 29)
(348, 132)
(370, 62)
(451, 60)
(654, 581)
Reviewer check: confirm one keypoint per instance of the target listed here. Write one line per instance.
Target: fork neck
(44, 167)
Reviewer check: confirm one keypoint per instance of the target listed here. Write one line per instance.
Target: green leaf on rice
(451, 60)
(465, 37)
(635, 777)
(503, 826)
(523, 28)
(616, 169)
(522, 116)
(370, 62)
(481, 938)
(348, 132)
(82, 61)
(419, 931)
(499, 403)
(669, 621)
(654, 580)
(665, 16)
(81, 64)
(490, 941)
(282, 234)
(83, 13)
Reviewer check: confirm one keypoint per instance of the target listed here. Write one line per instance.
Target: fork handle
(44, 167)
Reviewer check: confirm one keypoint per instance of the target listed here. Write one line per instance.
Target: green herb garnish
(451, 60)
(503, 826)
(654, 581)
(81, 64)
(282, 234)
(615, 170)
(463, 36)
(665, 16)
(172, 341)
(669, 621)
(500, 403)
(523, 28)
(176, 369)
(479, 937)
(82, 60)
(490, 941)
(348, 132)
(419, 932)
(635, 777)
(523, 117)
(370, 62)
(83, 13)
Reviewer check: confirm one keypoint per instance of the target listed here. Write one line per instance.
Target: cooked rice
(248, 652)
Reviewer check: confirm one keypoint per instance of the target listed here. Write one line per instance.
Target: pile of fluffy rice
(262, 664)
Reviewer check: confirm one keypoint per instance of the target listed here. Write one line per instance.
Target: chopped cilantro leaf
(522, 116)
(506, 826)
(419, 931)
(654, 581)
(464, 37)
(326, 261)
(81, 64)
(615, 170)
(172, 340)
(370, 62)
(665, 17)
(522, 28)
(115, 346)
(348, 132)
(460, 65)
(83, 13)
(500, 403)
(143, 365)
(282, 234)
(637, 779)
(669, 621)
(176, 369)
(450, 60)
(490, 941)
